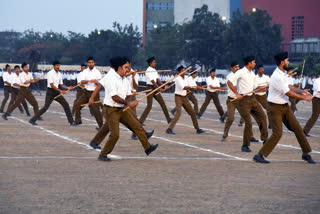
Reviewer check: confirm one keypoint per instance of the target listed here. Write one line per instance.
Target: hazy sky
(63, 15)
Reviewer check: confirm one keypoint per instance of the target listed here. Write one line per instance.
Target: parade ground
(50, 168)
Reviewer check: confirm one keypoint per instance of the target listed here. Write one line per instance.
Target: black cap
(280, 57)
(55, 62)
(23, 64)
(113, 61)
(248, 59)
(180, 68)
(259, 66)
(90, 58)
(234, 63)
(17, 66)
(150, 60)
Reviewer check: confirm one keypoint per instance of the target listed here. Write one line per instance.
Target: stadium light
(155, 26)
(223, 18)
(51, 35)
(254, 9)
(99, 32)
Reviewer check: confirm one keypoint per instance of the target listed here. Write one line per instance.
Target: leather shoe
(151, 149)
(223, 138)
(308, 158)
(200, 131)
(169, 131)
(245, 149)
(73, 123)
(306, 134)
(134, 137)
(40, 118)
(33, 122)
(94, 145)
(149, 134)
(77, 123)
(240, 124)
(254, 140)
(104, 158)
(169, 121)
(4, 116)
(172, 112)
(221, 119)
(28, 114)
(198, 116)
(260, 159)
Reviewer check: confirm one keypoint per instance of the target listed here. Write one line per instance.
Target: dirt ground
(50, 168)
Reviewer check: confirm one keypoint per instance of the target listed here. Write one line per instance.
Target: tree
(252, 34)
(204, 38)
(166, 44)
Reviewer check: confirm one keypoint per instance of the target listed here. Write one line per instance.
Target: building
(299, 19)
(162, 12)
(157, 13)
(300, 48)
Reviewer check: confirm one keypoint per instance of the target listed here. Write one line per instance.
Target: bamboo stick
(67, 91)
(160, 87)
(246, 94)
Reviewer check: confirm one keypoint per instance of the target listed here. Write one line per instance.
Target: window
(297, 27)
(160, 6)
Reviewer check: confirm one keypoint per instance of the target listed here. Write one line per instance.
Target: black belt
(276, 104)
(179, 95)
(119, 108)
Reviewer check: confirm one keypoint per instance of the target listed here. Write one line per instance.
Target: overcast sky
(68, 15)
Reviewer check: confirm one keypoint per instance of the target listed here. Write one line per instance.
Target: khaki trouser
(262, 99)
(182, 101)
(294, 103)
(231, 107)
(248, 105)
(211, 96)
(14, 95)
(24, 93)
(314, 116)
(6, 91)
(83, 99)
(78, 94)
(283, 114)
(116, 116)
(50, 95)
(194, 101)
(149, 105)
(104, 130)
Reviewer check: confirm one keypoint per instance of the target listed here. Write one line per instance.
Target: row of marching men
(119, 92)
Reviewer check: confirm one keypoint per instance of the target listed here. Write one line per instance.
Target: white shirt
(230, 92)
(151, 75)
(79, 77)
(15, 79)
(262, 81)
(55, 78)
(212, 82)
(316, 87)
(180, 83)
(136, 79)
(278, 87)
(24, 77)
(6, 78)
(115, 85)
(93, 74)
(291, 81)
(191, 82)
(247, 80)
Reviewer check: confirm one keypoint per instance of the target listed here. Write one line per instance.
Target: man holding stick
(54, 82)
(315, 107)
(104, 130)
(280, 112)
(117, 95)
(152, 83)
(248, 104)
(182, 85)
(213, 85)
(79, 89)
(26, 79)
(231, 106)
(91, 77)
